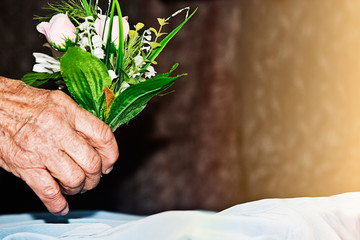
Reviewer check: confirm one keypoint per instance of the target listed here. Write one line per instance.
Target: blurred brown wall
(299, 81)
(270, 106)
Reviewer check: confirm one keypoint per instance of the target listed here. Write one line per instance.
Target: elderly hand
(51, 143)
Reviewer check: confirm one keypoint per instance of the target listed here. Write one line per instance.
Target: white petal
(124, 86)
(146, 48)
(150, 72)
(41, 68)
(99, 53)
(147, 37)
(112, 74)
(43, 58)
(138, 60)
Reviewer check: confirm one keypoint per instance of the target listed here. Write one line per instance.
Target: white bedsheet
(335, 217)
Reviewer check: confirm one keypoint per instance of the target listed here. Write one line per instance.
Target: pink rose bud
(99, 26)
(58, 30)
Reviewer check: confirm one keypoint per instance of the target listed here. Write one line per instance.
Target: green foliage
(85, 77)
(73, 8)
(115, 59)
(108, 52)
(120, 53)
(156, 51)
(132, 49)
(38, 79)
(133, 100)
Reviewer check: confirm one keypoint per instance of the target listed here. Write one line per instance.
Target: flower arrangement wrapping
(106, 66)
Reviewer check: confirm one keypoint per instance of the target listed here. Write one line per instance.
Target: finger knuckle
(24, 160)
(57, 95)
(51, 116)
(105, 134)
(77, 180)
(51, 192)
(93, 183)
(94, 164)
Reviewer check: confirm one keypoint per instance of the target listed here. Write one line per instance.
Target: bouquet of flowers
(106, 66)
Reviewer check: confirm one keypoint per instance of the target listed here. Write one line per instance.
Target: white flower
(147, 35)
(150, 72)
(83, 26)
(45, 63)
(84, 42)
(124, 86)
(97, 41)
(87, 24)
(112, 74)
(131, 73)
(147, 48)
(99, 53)
(146, 40)
(138, 60)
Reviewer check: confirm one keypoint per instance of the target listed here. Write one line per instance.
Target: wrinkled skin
(51, 143)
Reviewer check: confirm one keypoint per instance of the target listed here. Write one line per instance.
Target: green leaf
(120, 53)
(37, 79)
(131, 102)
(108, 39)
(85, 77)
(87, 8)
(154, 45)
(155, 52)
(154, 31)
(132, 114)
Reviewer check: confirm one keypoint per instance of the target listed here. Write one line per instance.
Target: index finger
(47, 189)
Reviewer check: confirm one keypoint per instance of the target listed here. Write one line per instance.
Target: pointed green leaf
(85, 77)
(86, 7)
(131, 115)
(37, 79)
(130, 102)
(155, 52)
(120, 53)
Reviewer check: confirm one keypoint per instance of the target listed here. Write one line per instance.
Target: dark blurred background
(270, 106)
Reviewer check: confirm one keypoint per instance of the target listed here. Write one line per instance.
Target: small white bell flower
(112, 74)
(138, 60)
(99, 53)
(124, 86)
(150, 72)
(45, 63)
(97, 41)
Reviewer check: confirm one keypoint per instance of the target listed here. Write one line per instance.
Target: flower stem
(120, 53)
(108, 40)
(87, 8)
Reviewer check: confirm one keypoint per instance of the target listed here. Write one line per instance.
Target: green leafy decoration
(37, 79)
(120, 53)
(85, 77)
(87, 8)
(131, 115)
(108, 39)
(132, 101)
(156, 51)
(73, 8)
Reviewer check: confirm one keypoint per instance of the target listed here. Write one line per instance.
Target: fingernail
(109, 170)
(65, 211)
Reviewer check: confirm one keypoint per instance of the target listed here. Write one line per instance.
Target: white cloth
(328, 218)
